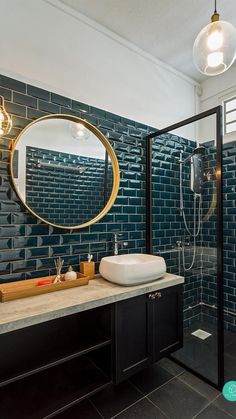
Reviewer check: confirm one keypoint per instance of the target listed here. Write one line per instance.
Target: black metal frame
(219, 241)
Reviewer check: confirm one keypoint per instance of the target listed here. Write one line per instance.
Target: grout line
(197, 391)
(123, 410)
(222, 409)
(202, 410)
(136, 388)
(162, 411)
(94, 406)
(162, 385)
(211, 403)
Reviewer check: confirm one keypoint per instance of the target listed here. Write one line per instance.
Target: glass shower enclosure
(185, 226)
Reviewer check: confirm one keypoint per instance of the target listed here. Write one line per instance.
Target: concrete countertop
(25, 312)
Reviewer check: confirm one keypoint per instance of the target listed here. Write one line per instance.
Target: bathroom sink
(132, 269)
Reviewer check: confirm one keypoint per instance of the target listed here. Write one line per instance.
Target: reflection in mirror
(62, 171)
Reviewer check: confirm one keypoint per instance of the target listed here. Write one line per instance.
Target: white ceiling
(165, 29)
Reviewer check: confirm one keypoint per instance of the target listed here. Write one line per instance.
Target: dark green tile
(81, 107)
(34, 113)
(23, 266)
(13, 84)
(24, 100)
(48, 107)
(5, 268)
(37, 92)
(15, 109)
(6, 93)
(61, 100)
(37, 252)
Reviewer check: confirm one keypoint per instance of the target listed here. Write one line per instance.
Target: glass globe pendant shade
(214, 49)
(5, 120)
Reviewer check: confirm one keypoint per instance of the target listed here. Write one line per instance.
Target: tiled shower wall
(168, 226)
(209, 287)
(28, 247)
(229, 205)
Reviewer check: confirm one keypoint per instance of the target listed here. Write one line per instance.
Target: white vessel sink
(132, 269)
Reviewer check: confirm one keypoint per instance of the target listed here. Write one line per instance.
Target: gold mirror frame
(111, 154)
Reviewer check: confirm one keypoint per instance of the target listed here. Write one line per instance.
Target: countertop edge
(88, 305)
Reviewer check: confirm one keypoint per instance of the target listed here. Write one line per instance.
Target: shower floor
(201, 354)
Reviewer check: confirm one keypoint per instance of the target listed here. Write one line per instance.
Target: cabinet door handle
(158, 294)
(151, 296)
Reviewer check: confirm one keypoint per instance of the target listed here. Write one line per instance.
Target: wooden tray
(27, 288)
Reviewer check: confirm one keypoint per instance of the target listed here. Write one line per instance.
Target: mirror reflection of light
(214, 59)
(79, 131)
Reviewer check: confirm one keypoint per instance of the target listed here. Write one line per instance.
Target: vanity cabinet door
(133, 327)
(168, 321)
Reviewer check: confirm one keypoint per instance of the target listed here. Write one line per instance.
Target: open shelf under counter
(28, 351)
(53, 390)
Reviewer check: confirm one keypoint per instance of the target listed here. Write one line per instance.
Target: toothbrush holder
(87, 268)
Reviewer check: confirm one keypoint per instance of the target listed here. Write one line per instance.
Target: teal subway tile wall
(28, 246)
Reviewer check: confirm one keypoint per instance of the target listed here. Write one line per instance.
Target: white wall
(46, 44)
(214, 89)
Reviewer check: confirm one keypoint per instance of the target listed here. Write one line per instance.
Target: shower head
(199, 150)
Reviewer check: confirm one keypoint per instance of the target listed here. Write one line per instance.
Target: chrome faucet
(117, 243)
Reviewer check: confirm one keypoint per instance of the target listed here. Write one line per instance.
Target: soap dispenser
(88, 268)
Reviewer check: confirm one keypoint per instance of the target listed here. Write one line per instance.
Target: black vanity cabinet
(133, 329)
(147, 328)
(47, 367)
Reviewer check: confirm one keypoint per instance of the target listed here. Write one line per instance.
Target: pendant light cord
(215, 7)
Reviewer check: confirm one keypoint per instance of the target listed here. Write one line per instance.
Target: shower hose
(196, 228)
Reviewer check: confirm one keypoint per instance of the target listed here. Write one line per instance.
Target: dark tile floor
(201, 355)
(165, 390)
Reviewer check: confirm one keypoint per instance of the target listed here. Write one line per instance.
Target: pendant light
(214, 49)
(5, 120)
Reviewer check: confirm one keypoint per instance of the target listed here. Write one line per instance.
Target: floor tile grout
(204, 408)
(162, 385)
(162, 411)
(94, 406)
(123, 410)
(221, 408)
(197, 391)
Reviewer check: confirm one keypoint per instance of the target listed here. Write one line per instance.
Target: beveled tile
(177, 400)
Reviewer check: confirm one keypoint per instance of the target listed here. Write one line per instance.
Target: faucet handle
(117, 233)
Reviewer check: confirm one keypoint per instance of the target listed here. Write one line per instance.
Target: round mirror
(65, 171)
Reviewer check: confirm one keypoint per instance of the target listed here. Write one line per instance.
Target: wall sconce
(214, 49)
(5, 119)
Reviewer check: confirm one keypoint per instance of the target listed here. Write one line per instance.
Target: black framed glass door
(184, 225)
